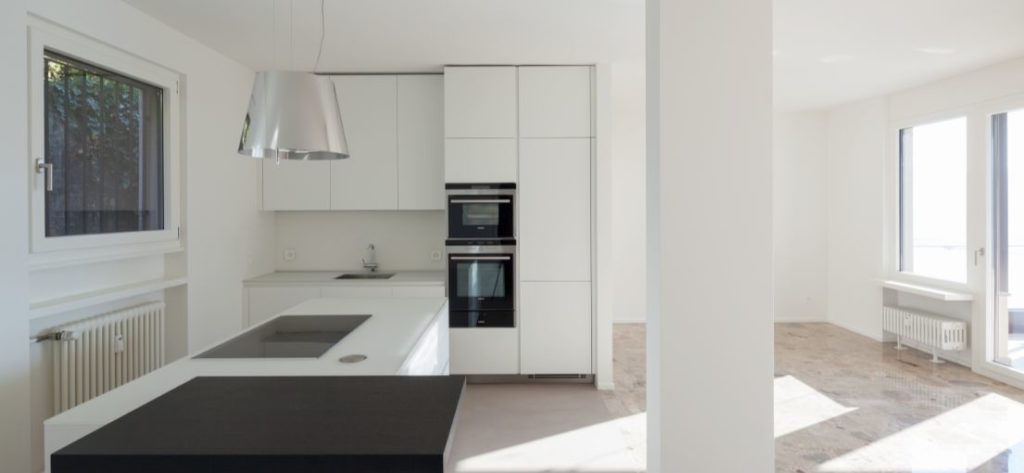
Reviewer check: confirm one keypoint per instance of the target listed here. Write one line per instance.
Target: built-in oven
(481, 283)
(481, 211)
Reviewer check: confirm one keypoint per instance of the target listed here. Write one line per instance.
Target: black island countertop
(381, 424)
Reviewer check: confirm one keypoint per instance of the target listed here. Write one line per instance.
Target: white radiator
(95, 355)
(934, 331)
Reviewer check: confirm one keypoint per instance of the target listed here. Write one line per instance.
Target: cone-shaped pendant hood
(293, 115)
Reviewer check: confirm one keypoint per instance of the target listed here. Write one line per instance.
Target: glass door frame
(984, 338)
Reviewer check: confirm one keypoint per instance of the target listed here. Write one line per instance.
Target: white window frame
(55, 250)
(893, 230)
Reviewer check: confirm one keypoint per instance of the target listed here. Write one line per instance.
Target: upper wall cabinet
(555, 102)
(367, 180)
(480, 102)
(393, 126)
(420, 142)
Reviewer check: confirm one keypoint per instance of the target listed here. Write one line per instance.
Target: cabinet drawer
(484, 350)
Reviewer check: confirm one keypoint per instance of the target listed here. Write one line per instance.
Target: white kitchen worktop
(403, 336)
(326, 278)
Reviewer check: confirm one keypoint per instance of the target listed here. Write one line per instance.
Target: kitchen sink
(289, 336)
(366, 276)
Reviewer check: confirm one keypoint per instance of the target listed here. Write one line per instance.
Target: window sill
(78, 301)
(60, 259)
(928, 291)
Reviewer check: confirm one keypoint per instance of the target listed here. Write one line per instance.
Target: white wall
(709, 204)
(338, 240)
(227, 239)
(856, 151)
(14, 346)
(859, 151)
(799, 188)
(628, 217)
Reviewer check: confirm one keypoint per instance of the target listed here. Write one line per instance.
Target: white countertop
(326, 278)
(386, 338)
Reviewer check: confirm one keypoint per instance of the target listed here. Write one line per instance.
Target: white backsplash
(338, 240)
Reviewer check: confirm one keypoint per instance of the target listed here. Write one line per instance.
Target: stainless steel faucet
(370, 260)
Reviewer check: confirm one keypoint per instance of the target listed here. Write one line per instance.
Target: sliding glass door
(1007, 290)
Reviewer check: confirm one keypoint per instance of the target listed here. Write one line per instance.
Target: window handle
(979, 253)
(47, 170)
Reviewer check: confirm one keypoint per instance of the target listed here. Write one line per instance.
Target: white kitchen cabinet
(357, 291)
(421, 142)
(555, 102)
(296, 185)
(555, 327)
(367, 180)
(419, 291)
(485, 351)
(480, 102)
(554, 209)
(480, 160)
(266, 302)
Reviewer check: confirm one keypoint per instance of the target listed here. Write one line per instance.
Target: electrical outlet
(435, 255)
(289, 254)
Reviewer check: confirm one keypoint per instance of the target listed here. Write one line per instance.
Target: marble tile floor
(843, 404)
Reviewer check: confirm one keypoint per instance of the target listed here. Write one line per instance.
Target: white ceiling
(827, 52)
(833, 51)
(411, 35)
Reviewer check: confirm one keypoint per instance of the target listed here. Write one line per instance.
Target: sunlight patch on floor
(958, 440)
(615, 446)
(798, 406)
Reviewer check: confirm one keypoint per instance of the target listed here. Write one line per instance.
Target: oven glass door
(481, 282)
(480, 216)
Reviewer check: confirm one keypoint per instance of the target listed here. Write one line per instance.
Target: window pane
(933, 195)
(104, 138)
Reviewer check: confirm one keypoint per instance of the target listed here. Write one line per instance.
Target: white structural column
(710, 354)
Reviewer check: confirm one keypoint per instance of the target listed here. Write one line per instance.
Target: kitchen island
(400, 337)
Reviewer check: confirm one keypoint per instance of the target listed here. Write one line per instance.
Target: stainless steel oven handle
(486, 258)
(480, 201)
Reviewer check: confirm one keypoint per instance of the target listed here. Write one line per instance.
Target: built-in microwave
(481, 283)
(481, 211)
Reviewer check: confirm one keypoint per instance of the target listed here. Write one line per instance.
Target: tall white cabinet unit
(480, 123)
(394, 130)
(555, 219)
(532, 125)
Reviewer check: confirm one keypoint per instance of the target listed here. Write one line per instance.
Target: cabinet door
(420, 143)
(266, 302)
(555, 328)
(419, 291)
(554, 209)
(296, 185)
(358, 291)
(368, 179)
(480, 102)
(554, 102)
(484, 351)
(480, 160)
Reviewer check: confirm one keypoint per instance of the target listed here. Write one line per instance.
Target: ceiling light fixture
(294, 115)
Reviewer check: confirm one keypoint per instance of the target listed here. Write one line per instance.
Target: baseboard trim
(797, 320)
(874, 336)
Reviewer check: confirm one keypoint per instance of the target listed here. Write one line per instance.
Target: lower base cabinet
(556, 328)
(485, 351)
